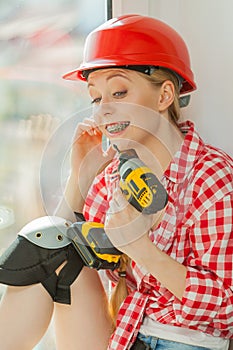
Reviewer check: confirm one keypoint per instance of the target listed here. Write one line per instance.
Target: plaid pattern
(196, 230)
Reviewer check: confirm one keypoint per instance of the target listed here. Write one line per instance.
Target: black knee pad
(25, 263)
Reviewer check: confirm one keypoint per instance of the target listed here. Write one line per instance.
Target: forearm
(170, 273)
(72, 200)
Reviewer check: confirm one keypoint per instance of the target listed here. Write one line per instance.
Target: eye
(96, 100)
(119, 94)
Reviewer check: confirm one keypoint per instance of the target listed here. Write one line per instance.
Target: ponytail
(120, 291)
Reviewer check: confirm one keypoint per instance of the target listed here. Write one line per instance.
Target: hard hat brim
(77, 74)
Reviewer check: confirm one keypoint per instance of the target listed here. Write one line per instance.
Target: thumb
(119, 199)
(109, 153)
(118, 203)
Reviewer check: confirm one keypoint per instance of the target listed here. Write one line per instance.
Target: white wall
(207, 28)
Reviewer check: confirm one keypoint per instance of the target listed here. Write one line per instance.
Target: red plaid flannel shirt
(196, 230)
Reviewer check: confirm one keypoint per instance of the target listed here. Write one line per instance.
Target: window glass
(40, 40)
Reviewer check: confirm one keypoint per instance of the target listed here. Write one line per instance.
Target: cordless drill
(142, 189)
(140, 186)
(93, 245)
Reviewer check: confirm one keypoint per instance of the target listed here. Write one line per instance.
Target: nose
(103, 111)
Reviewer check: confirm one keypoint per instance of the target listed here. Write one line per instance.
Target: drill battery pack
(93, 245)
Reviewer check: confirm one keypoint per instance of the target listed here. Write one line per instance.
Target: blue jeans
(162, 344)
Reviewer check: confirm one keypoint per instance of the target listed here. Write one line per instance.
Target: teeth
(114, 128)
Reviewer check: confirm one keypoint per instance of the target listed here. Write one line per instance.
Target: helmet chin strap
(184, 101)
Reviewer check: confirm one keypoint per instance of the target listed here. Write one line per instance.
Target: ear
(167, 93)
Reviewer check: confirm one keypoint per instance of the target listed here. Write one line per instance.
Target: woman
(174, 284)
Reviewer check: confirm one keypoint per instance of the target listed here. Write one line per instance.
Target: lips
(116, 128)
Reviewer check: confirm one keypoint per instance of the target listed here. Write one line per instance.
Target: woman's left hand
(125, 226)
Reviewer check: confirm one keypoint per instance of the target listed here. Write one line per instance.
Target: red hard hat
(136, 40)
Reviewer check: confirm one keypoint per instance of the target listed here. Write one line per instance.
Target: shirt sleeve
(208, 296)
(96, 204)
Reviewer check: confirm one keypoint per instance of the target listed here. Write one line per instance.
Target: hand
(32, 136)
(125, 225)
(35, 131)
(87, 155)
(86, 138)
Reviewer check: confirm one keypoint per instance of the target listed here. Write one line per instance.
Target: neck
(160, 146)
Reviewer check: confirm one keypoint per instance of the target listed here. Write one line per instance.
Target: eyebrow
(114, 75)
(117, 75)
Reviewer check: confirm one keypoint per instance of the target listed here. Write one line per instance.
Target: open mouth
(116, 128)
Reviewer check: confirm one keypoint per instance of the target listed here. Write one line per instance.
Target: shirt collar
(188, 154)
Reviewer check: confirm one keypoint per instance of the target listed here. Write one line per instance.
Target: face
(114, 92)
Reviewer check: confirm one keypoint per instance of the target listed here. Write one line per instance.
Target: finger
(93, 124)
(90, 122)
(119, 199)
(85, 128)
(118, 204)
(113, 208)
(110, 152)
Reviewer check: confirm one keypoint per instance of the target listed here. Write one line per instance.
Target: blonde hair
(121, 291)
(159, 76)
